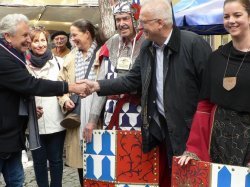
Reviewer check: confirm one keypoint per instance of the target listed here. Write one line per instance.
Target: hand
(184, 159)
(39, 111)
(88, 130)
(79, 88)
(69, 105)
(93, 86)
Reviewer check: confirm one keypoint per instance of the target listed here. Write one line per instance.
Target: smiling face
(236, 19)
(39, 44)
(124, 25)
(80, 39)
(20, 40)
(149, 24)
(60, 40)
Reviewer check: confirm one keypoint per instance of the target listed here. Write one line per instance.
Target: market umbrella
(203, 17)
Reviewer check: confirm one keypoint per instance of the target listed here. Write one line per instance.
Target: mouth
(232, 26)
(27, 45)
(124, 27)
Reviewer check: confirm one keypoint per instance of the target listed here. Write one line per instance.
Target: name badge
(124, 63)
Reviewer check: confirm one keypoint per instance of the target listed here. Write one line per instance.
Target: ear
(161, 23)
(7, 37)
(88, 33)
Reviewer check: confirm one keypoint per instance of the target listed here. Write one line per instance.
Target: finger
(182, 160)
(179, 161)
(84, 134)
(80, 81)
(187, 160)
(89, 135)
(71, 103)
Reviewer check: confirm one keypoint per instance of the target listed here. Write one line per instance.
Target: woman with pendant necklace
(220, 131)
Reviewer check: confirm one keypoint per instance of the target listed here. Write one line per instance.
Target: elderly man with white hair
(169, 71)
(17, 90)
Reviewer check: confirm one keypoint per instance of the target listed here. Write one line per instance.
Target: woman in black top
(227, 86)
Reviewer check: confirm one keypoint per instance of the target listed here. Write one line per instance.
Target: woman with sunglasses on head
(41, 63)
(79, 64)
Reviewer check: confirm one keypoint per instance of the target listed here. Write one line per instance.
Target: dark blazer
(16, 83)
(185, 57)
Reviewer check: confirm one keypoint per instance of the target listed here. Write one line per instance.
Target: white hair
(9, 23)
(160, 9)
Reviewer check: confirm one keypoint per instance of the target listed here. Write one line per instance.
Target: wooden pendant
(229, 83)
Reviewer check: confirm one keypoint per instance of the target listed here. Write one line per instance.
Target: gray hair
(160, 9)
(9, 23)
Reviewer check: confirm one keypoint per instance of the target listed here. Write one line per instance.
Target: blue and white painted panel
(229, 176)
(99, 156)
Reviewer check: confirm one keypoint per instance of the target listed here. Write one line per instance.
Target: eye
(117, 19)
(237, 15)
(127, 18)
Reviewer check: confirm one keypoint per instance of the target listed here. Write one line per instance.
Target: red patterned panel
(133, 166)
(92, 183)
(195, 174)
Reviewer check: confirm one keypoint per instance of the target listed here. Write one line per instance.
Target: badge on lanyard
(124, 63)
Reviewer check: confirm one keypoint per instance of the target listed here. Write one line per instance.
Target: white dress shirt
(159, 75)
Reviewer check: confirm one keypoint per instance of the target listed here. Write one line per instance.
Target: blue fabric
(203, 16)
(51, 150)
(184, 4)
(12, 170)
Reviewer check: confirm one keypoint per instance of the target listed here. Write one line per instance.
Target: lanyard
(13, 54)
(133, 47)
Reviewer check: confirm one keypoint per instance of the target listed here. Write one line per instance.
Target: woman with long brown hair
(79, 64)
(224, 137)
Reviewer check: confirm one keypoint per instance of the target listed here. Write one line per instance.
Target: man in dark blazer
(17, 88)
(169, 72)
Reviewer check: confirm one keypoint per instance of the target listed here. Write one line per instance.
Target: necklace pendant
(229, 83)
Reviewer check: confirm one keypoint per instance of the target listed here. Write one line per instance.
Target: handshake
(84, 87)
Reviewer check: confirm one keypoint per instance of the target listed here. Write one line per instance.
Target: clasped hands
(84, 87)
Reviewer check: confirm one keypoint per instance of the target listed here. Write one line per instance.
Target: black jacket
(16, 83)
(184, 60)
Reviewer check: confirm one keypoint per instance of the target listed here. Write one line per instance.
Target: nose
(231, 19)
(28, 39)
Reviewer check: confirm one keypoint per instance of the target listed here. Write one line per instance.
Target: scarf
(20, 57)
(81, 64)
(39, 61)
(27, 106)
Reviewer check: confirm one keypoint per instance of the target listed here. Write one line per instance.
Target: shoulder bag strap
(91, 62)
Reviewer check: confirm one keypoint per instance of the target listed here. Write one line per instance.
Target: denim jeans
(12, 169)
(52, 150)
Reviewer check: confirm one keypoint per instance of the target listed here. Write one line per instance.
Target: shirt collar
(166, 41)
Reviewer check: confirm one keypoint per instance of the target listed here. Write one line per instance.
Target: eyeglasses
(60, 38)
(143, 22)
(38, 28)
